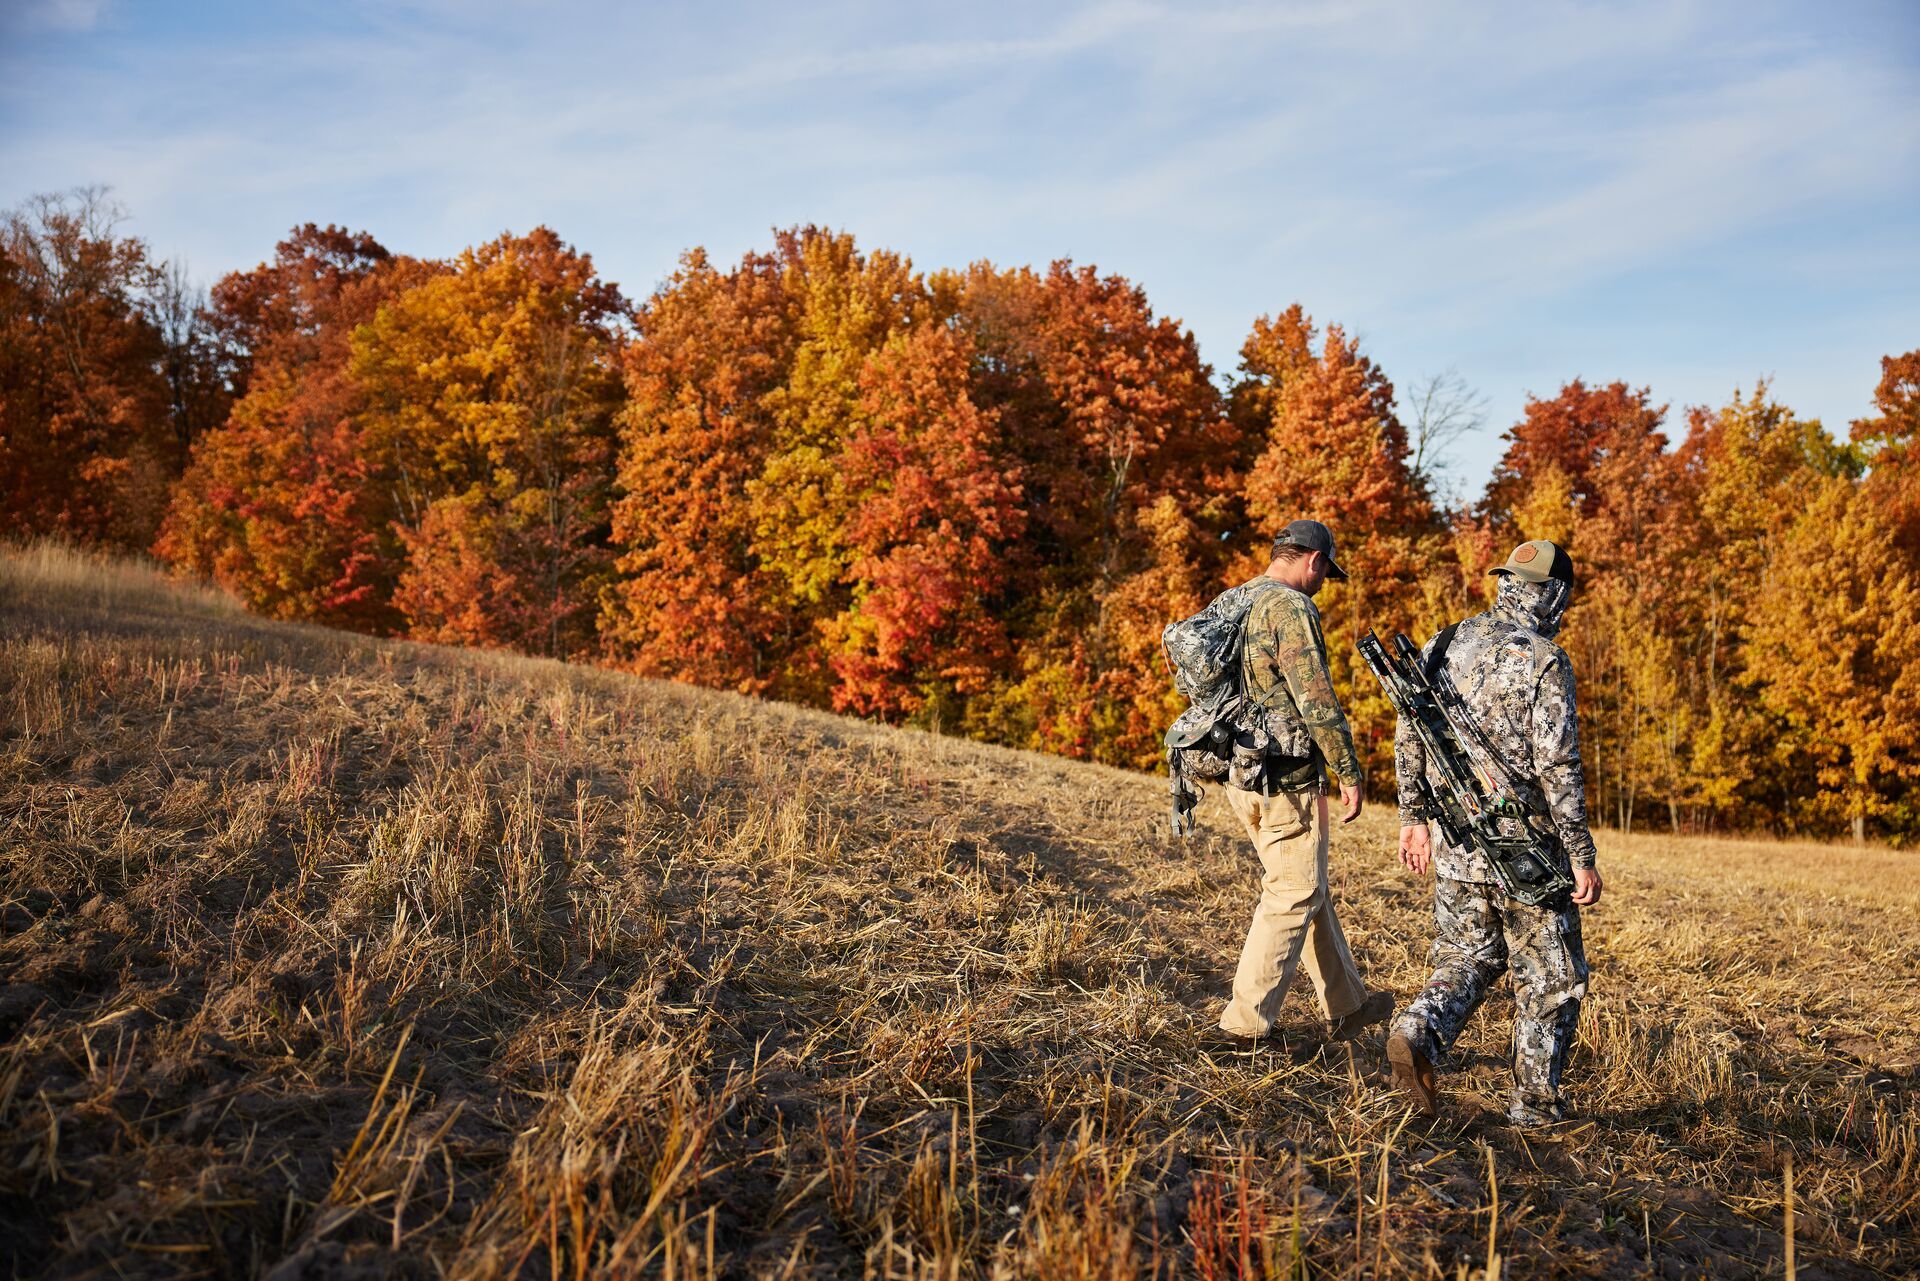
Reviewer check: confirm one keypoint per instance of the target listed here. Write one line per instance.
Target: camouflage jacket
(1287, 676)
(1520, 686)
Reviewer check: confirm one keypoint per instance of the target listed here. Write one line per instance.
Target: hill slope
(317, 947)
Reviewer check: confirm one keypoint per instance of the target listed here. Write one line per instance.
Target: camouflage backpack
(1208, 743)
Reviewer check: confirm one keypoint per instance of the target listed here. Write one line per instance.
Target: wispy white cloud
(1466, 183)
(64, 15)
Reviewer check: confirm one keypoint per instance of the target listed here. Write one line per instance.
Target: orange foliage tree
(488, 394)
(1891, 441)
(691, 601)
(87, 447)
(277, 504)
(1830, 648)
(1332, 448)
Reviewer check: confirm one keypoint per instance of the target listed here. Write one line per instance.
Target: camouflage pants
(1481, 934)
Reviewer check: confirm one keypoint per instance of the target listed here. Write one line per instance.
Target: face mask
(1540, 606)
(1551, 610)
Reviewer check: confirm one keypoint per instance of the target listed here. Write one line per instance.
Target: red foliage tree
(695, 431)
(288, 312)
(1569, 433)
(86, 445)
(930, 517)
(1115, 433)
(277, 503)
(1892, 441)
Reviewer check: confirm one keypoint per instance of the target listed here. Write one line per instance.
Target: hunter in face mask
(1518, 687)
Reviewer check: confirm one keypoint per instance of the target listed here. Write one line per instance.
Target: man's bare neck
(1288, 574)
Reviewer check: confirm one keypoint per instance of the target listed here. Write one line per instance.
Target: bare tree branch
(1441, 409)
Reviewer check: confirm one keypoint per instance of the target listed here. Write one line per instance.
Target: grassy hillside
(318, 948)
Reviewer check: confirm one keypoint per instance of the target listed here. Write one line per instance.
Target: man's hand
(1350, 796)
(1586, 886)
(1416, 848)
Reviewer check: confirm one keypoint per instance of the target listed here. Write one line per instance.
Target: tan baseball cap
(1537, 561)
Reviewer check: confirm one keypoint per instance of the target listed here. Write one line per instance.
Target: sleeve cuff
(1581, 853)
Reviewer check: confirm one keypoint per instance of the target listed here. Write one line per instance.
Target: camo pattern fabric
(1288, 680)
(1205, 650)
(1479, 935)
(1519, 685)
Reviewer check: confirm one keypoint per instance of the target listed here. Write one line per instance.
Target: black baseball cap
(1312, 536)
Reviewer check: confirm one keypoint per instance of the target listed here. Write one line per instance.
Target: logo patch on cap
(1524, 553)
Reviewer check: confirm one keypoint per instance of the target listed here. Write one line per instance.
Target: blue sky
(1683, 195)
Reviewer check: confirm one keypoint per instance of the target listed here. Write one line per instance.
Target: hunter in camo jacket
(1288, 736)
(1519, 686)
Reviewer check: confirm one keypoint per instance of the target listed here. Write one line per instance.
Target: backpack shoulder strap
(1437, 656)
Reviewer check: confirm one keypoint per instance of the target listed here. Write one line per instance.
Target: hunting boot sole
(1413, 1072)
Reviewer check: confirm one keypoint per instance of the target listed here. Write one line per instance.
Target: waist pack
(1223, 736)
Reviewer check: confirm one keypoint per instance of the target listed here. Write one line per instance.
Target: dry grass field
(322, 956)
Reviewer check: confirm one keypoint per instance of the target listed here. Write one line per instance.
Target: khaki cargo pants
(1294, 917)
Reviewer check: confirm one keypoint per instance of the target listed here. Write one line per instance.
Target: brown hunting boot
(1413, 1071)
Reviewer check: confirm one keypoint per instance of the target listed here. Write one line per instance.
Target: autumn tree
(1126, 465)
(488, 394)
(845, 306)
(1751, 465)
(1635, 542)
(1671, 546)
(87, 447)
(711, 352)
(1591, 469)
(1569, 432)
(1833, 632)
(1332, 448)
(929, 515)
(277, 503)
(1890, 440)
(289, 313)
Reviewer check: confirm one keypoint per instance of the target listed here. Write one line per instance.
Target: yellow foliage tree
(1835, 627)
(490, 393)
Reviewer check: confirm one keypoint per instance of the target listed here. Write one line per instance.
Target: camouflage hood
(1538, 607)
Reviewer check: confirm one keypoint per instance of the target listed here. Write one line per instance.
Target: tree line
(967, 499)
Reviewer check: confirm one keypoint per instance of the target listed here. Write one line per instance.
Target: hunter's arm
(1409, 766)
(1301, 656)
(1556, 759)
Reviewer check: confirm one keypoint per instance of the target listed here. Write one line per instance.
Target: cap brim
(1334, 571)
